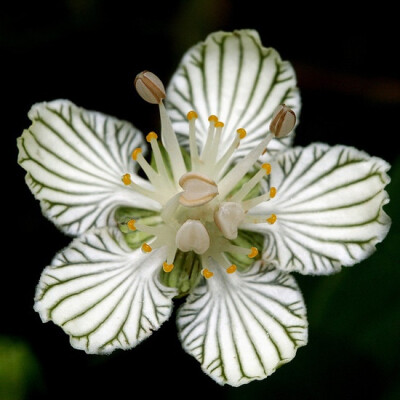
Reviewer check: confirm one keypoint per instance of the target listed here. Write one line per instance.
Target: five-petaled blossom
(229, 209)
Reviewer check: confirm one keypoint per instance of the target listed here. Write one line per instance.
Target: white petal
(103, 294)
(328, 206)
(242, 326)
(75, 160)
(234, 77)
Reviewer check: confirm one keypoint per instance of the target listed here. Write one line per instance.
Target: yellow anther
(167, 267)
(231, 269)
(242, 133)
(136, 152)
(267, 168)
(272, 192)
(149, 138)
(131, 224)
(126, 179)
(146, 248)
(253, 252)
(272, 219)
(219, 124)
(207, 274)
(191, 114)
(213, 118)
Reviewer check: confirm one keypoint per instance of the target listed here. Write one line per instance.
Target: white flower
(212, 201)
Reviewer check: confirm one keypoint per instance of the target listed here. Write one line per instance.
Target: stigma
(204, 198)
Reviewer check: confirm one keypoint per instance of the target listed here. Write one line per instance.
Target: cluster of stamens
(202, 206)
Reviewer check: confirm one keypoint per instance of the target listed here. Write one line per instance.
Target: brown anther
(149, 87)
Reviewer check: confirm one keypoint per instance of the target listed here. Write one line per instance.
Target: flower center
(203, 199)
(203, 208)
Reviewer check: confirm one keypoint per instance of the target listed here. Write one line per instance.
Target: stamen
(222, 162)
(149, 87)
(232, 248)
(146, 248)
(212, 154)
(229, 181)
(168, 267)
(242, 133)
(135, 153)
(207, 273)
(272, 219)
(161, 168)
(150, 137)
(171, 144)
(194, 155)
(248, 186)
(213, 119)
(191, 115)
(154, 178)
(231, 269)
(255, 201)
(253, 252)
(267, 168)
(283, 121)
(131, 224)
(272, 192)
(148, 193)
(126, 179)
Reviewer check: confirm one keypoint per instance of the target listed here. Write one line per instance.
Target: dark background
(89, 52)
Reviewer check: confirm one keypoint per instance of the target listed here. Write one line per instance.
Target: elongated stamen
(231, 248)
(170, 209)
(241, 133)
(146, 248)
(153, 176)
(161, 168)
(171, 254)
(210, 135)
(168, 267)
(260, 219)
(223, 261)
(131, 225)
(212, 155)
(249, 185)
(231, 269)
(249, 204)
(171, 144)
(127, 180)
(194, 154)
(207, 273)
(229, 181)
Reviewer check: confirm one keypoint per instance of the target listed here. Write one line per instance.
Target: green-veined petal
(234, 77)
(242, 326)
(329, 208)
(75, 160)
(103, 294)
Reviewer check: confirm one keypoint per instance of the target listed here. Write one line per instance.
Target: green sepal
(246, 239)
(185, 275)
(135, 239)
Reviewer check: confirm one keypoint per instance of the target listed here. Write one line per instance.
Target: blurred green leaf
(20, 373)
